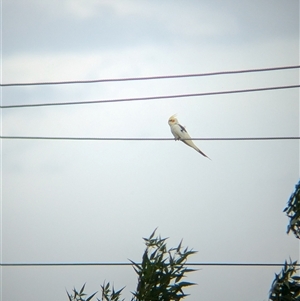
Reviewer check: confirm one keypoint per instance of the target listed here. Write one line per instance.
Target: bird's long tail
(191, 144)
(203, 154)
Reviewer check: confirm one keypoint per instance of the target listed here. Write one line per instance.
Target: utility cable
(146, 139)
(227, 264)
(150, 97)
(148, 77)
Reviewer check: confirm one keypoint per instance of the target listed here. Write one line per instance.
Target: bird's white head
(173, 120)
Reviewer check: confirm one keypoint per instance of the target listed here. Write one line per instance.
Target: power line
(145, 139)
(148, 77)
(225, 264)
(151, 97)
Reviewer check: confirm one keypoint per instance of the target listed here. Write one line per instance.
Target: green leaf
(82, 289)
(69, 296)
(91, 296)
(189, 270)
(179, 246)
(151, 236)
(183, 284)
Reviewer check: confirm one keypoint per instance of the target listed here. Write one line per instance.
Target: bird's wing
(183, 133)
(182, 128)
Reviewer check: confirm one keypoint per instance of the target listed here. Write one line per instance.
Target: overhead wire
(149, 97)
(150, 77)
(225, 264)
(145, 139)
(153, 98)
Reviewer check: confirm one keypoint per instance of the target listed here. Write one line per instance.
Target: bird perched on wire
(181, 134)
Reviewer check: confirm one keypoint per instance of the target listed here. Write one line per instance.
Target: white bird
(181, 134)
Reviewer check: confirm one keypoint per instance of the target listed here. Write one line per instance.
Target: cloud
(96, 26)
(93, 8)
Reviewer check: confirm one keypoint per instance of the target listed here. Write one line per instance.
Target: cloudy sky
(93, 201)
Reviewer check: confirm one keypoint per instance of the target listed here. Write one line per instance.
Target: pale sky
(93, 201)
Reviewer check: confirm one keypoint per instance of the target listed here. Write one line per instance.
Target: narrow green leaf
(69, 296)
(179, 246)
(151, 236)
(190, 270)
(91, 296)
(183, 283)
(82, 289)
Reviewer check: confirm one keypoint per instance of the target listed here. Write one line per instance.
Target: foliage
(110, 294)
(159, 275)
(107, 294)
(80, 296)
(285, 286)
(293, 211)
(161, 271)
